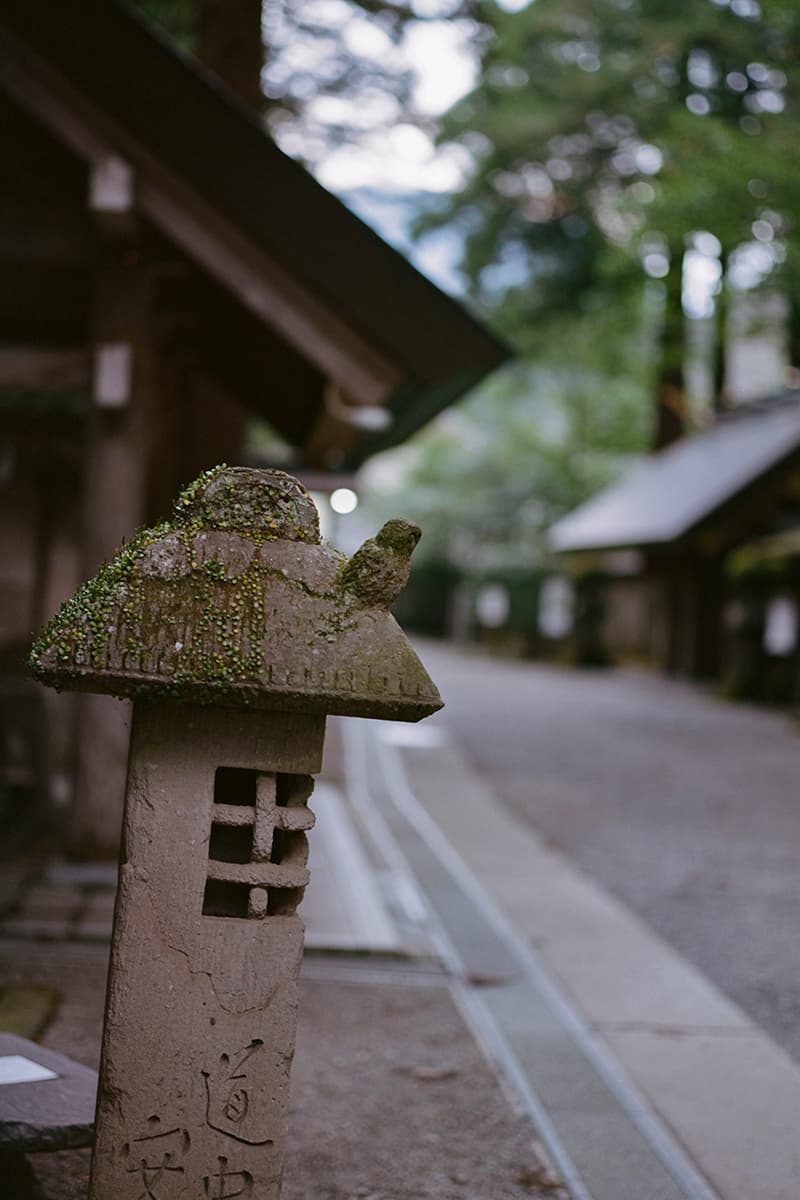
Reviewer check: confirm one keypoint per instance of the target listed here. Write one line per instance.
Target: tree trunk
(720, 330)
(794, 330)
(229, 43)
(707, 602)
(670, 389)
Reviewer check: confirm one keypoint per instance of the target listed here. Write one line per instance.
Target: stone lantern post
(235, 632)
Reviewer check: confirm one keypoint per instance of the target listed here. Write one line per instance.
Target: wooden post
(114, 505)
(707, 602)
(230, 43)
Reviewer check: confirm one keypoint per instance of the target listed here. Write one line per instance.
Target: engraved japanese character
(155, 1159)
(217, 1186)
(232, 1101)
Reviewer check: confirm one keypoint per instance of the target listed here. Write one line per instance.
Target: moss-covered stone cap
(234, 602)
(243, 500)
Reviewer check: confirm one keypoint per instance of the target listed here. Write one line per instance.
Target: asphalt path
(684, 806)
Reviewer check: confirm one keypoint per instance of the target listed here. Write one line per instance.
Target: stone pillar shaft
(235, 631)
(202, 1000)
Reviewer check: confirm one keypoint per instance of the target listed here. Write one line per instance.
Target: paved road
(685, 807)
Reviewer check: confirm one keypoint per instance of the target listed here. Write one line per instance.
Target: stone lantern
(235, 631)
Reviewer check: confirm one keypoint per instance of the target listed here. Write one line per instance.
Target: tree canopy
(615, 145)
(332, 69)
(614, 142)
(601, 123)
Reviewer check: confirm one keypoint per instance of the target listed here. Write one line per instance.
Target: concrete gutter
(643, 1079)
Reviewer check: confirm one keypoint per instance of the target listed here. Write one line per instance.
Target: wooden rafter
(257, 281)
(44, 369)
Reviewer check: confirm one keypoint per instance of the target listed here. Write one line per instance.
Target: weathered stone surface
(200, 1024)
(232, 605)
(245, 612)
(378, 571)
(166, 558)
(47, 1114)
(232, 553)
(245, 500)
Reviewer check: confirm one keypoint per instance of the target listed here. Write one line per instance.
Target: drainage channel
(605, 1139)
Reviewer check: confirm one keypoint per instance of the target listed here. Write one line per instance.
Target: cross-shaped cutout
(257, 846)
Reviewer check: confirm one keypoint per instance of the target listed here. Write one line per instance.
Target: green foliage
(128, 606)
(332, 69)
(176, 18)
(599, 123)
(604, 135)
(486, 482)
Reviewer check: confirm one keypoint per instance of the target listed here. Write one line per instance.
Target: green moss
(765, 558)
(83, 621)
(249, 502)
(123, 607)
(399, 535)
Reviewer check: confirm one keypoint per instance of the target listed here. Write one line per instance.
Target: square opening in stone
(292, 789)
(224, 899)
(283, 902)
(231, 843)
(235, 785)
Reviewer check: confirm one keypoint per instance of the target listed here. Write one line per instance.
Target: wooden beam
(111, 197)
(40, 235)
(253, 277)
(111, 186)
(272, 294)
(328, 442)
(113, 374)
(230, 43)
(341, 419)
(44, 369)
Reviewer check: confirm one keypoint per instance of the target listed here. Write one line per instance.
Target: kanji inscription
(233, 1105)
(225, 1184)
(154, 1161)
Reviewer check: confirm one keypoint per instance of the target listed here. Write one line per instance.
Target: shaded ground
(391, 1097)
(684, 806)
(402, 1105)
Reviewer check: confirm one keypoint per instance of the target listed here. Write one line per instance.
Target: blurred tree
(614, 142)
(224, 34)
(177, 18)
(606, 133)
(327, 71)
(495, 473)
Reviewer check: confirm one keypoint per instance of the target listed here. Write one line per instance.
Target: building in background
(170, 274)
(655, 549)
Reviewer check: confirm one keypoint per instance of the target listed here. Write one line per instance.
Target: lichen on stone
(378, 571)
(250, 502)
(235, 601)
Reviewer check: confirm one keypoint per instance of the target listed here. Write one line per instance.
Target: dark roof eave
(220, 149)
(413, 405)
(766, 444)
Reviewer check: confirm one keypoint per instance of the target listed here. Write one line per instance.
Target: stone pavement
(644, 1078)
(465, 941)
(681, 805)
(392, 1095)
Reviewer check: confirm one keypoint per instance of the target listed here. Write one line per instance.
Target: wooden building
(167, 273)
(657, 542)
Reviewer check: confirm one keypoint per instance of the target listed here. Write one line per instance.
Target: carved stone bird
(378, 571)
